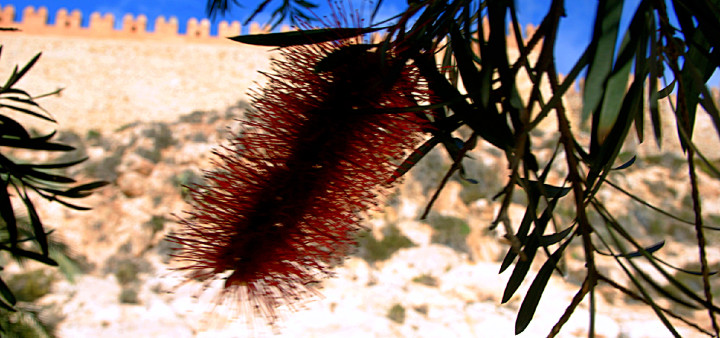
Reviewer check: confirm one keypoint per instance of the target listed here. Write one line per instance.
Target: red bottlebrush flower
(289, 193)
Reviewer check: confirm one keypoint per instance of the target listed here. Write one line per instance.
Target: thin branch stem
(700, 234)
(577, 299)
(577, 184)
(637, 297)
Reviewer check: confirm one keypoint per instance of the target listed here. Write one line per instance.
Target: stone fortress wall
(35, 21)
(113, 77)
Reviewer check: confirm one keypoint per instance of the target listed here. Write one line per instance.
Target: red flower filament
(288, 195)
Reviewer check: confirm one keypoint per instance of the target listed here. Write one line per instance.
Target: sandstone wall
(115, 77)
(112, 77)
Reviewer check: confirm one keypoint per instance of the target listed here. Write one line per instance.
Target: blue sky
(575, 29)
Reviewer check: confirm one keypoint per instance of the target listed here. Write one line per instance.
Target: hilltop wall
(35, 21)
(112, 77)
(115, 77)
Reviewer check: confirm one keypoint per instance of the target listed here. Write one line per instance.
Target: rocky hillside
(409, 277)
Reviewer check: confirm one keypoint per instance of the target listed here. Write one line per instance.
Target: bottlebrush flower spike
(288, 194)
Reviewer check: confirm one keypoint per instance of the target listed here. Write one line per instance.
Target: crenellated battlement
(135, 74)
(36, 21)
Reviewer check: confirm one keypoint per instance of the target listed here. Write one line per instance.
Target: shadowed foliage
(668, 52)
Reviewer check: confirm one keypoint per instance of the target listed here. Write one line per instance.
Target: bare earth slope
(445, 283)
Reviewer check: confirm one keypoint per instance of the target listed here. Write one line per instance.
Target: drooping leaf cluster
(289, 10)
(22, 233)
(461, 49)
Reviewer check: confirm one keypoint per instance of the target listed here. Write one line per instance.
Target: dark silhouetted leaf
(607, 21)
(55, 165)
(84, 190)
(17, 75)
(6, 293)
(626, 164)
(7, 307)
(547, 240)
(603, 156)
(522, 232)
(29, 254)
(37, 226)
(534, 188)
(533, 243)
(70, 205)
(35, 143)
(663, 93)
(616, 85)
(27, 111)
(413, 158)
(7, 213)
(651, 249)
(10, 127)
(532, 298)
(655, 65)
(305, 37)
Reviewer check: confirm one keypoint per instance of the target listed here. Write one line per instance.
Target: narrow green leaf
(697, 67)
(54, 165)
(5, 92)
(29, 102)
(532, 298)
(7, 213)
(491, 126)
(651, 249)
(37, 226)
(7, 293)
(626, 164)
(605, 33)
(414, 158)
(29, 254)
(71, 206)
(665, 92)
(304, 37)
(11, 128)
(614, 93)
(547, 240)
(534, 242)
(47, 137)
(39, 175)
(535, 188)
(603, 156)
(523, 230)
(28, 112)
(85, 189)
(465, 63)
(7, 307)
(521, 269)
(35, 144)
(645, 30)
(16, 76)
(655, 69)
